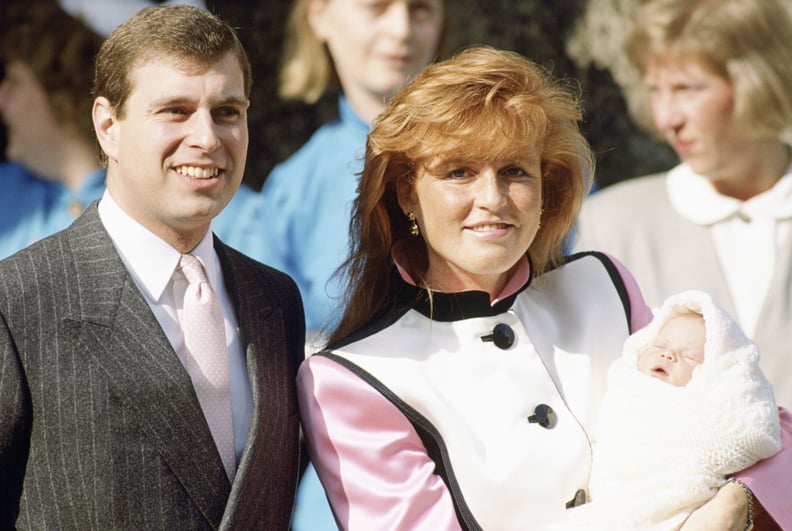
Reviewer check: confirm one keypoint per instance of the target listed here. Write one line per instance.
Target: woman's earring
(414, 231)
(541, 211)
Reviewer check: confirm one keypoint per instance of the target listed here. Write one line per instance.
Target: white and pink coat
(430, 417)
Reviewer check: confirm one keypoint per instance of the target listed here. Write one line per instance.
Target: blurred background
(575, 39)
(542, 30)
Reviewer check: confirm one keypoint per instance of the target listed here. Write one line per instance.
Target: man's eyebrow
(181, 100)
(168, 101)
(232, 100)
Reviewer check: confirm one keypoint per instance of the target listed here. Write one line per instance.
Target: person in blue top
(45, 102)
(367, 51)
(32, 207)
(53, 170)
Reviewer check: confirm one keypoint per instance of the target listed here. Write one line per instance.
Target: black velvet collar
(446, 307)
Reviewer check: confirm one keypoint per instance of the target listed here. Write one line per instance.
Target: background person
(45, 105)
(363, 53)
(714, 85)
(366, 53)
(278, 128)
(464, 317)
(108, 416)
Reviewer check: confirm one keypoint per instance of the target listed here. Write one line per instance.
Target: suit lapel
(262, 333)
(118, 329)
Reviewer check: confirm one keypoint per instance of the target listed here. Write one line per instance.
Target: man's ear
(106, 126)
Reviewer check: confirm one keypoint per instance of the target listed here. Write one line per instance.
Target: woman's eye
(458, 173)
(515, 172)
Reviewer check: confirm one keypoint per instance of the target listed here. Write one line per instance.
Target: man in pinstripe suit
(100, 425)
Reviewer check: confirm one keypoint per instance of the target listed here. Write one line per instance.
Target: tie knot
(192, 269)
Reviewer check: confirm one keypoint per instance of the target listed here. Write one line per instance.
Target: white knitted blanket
(662, 451)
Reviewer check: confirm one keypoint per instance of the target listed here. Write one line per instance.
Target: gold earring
(541, 211)
(414, 231)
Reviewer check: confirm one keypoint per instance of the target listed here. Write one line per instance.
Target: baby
(686, 406)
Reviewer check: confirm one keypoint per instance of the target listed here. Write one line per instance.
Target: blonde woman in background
(715, 85)
(366, 51)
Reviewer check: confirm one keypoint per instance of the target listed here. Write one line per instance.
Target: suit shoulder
(32, 256)
(39, 272)
(82, 233)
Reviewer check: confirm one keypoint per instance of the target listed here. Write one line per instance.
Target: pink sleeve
(370, 460)
(770, 480)
(641, 314)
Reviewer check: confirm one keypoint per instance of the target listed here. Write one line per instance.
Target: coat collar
(694, 197)
(436, 305)
(441, 306)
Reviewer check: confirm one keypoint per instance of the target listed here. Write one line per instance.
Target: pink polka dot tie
(204, 336)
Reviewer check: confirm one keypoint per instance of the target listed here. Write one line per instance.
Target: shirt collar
(205, 252)
(150, 260)
(694, 197)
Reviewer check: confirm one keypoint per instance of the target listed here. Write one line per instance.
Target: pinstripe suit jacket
(100, 427)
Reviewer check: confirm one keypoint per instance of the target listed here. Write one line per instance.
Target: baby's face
(677, 350)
